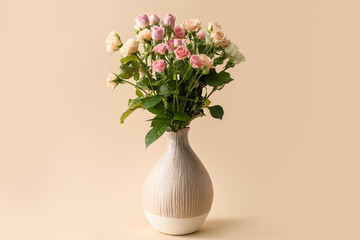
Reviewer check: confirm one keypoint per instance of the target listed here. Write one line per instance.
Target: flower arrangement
(177, 70)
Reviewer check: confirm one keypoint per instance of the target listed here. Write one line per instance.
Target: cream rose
(191, 25)
(113, 42)
(110, 80)
(218, 36)
(206, 61)
(144, 35)
(129, 47)
(213, 25)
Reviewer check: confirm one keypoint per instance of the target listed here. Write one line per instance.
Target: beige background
(284, 161)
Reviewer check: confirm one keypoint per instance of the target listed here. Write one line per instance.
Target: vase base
(176, 226)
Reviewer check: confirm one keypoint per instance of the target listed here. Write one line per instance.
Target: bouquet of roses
(175, 71)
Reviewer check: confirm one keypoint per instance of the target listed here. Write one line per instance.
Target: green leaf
(164, 90)
(207, 103)
(182, 117)
(139, 93)
(128, 59)
(159, 122)
(155, 133)
(152, 101)
(218, 61)
(216, 111)
(136, 101)
(129, 111)
(218, 79)
(157, 109)
(125, 72)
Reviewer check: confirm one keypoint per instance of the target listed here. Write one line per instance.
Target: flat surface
(284, 160)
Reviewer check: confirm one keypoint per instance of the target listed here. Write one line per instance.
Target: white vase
(178, 192)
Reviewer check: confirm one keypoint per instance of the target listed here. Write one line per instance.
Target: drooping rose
(191, 25)
(142, 20)
(144, 35)
(179, 32)
(195, 61)
(170, 45)
(201, 35)
(218, 36)
(154, 19)
(182, 52)
(110, 80)
(213, 25)
(169, 20)
(157, 33)
(231, 49)
(160, 48)
(130, 47)
(113, 42)
(159, 65)
(177, 42)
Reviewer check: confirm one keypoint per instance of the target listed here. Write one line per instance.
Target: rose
(182, 52)
(177, 42)
(195, 61)
(213, 25)
(129, 47)
(154, 19)
(113, 42)
(144, 35)
(159, 65)
(169, 20)
(218, 36)
(170, 45)
(157, 33)
(142, 20)
(110, 80)
(179, 32)
(160, 48)
(231, 49)
(201, 35)
(191, 25)
(206, 61)
(238, 58)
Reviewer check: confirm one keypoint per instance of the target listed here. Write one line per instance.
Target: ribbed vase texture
(178, 192)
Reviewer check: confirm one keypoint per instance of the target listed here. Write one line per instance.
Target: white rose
(238, 58)
(144, 35)
(113, 42)
(231, 49)
(191, 25)
(110, 80)
(129, 47)
(213, 25)
(218, 36)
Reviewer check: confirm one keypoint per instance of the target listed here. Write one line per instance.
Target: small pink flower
(169, 20)
(196, 61)
(182, 52)
(160, 48)
(142, 20)
(154, 19)
(170, 45)
(159, 65)
(177, 42)
(201, 35)
(157, 33)
(179, 32)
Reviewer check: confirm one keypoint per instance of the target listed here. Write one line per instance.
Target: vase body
(178, 192)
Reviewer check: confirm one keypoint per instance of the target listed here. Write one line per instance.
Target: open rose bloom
(174, 68)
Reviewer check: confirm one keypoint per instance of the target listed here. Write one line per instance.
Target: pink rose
(157, 33)
(154, 19)
(159, 65)
(170, 45)
(142, 20)
(179, 32)
(182, 52)
(169, 20)
(201, 35)
(160, 48)
(177, 42)
(196, 61)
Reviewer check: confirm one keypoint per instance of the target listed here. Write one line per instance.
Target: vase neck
(178, 138)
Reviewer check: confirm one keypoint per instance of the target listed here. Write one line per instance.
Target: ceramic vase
(178, 192)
